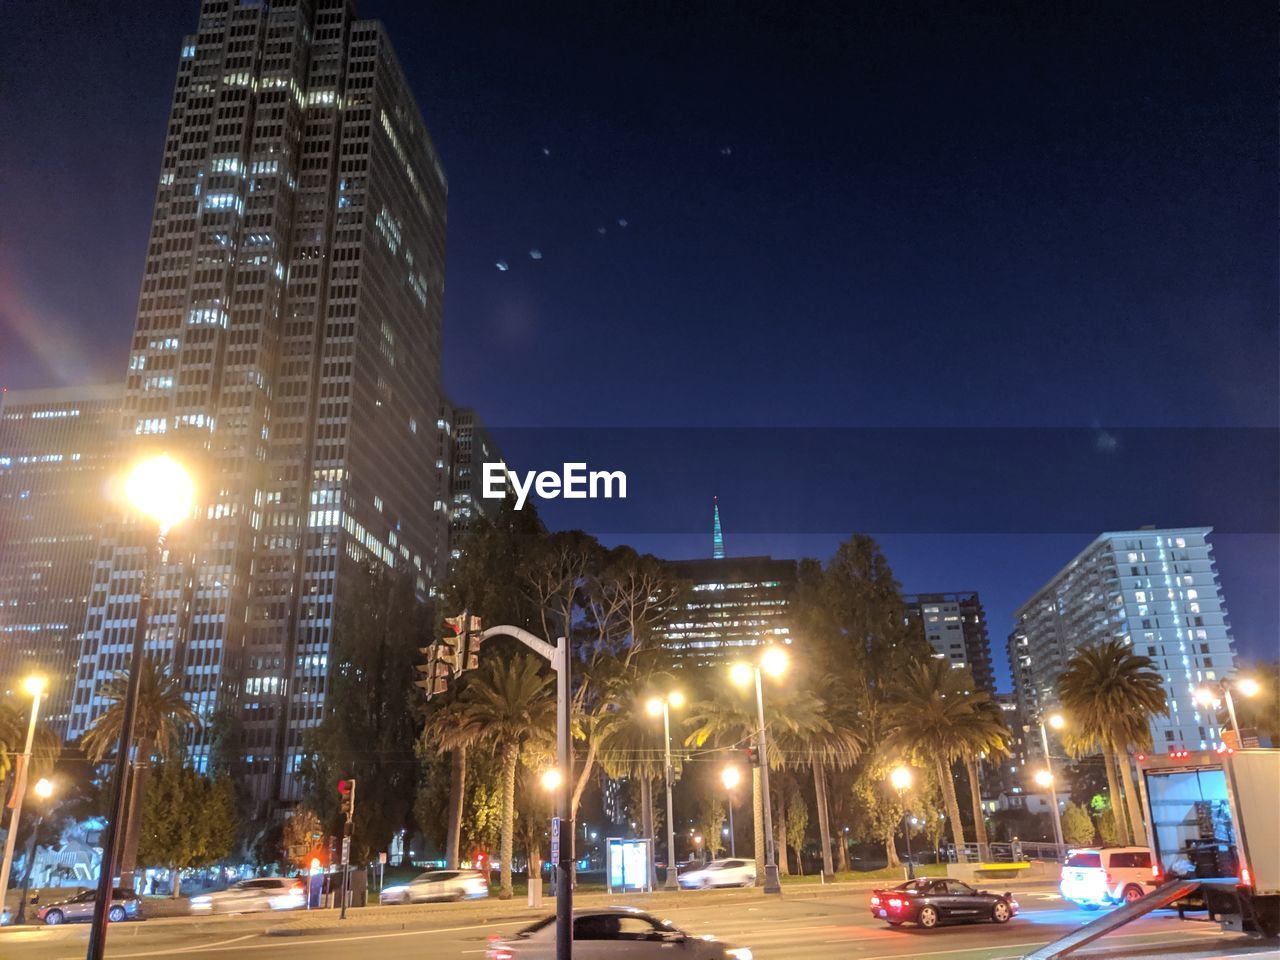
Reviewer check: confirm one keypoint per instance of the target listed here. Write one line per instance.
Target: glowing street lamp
(34, 687)
(1058, 722)
(1044, 779)
(551, 780)
(773, 660)
(661, 707)
(900, 780)
(1208, 695)
(161, 489)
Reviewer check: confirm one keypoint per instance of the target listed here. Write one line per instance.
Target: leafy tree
(1110, 694)
(449, 728)
(303, 833)
(369, 729)
(797, 827)
(1109, 830)
(710, 820)
(187, 820)
(935, 717)
(877, 810)
(512, 704)
(1077, 825)
(990, 738)
(162, 717)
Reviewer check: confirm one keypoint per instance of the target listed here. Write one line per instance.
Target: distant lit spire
(717, 535)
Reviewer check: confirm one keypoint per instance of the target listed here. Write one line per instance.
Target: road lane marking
(168, 953)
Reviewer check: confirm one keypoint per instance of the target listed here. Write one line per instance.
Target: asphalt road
(835, 925)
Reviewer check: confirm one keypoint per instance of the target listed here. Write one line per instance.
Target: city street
(834, 924)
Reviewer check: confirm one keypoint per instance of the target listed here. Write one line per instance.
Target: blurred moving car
(439, 885)
(125, 905)
(1095, 877)
(608, 932)
(931, 902)
(720, 873)
(252, 896)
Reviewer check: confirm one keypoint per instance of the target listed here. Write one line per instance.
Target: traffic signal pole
(561, 662)
(348, 790)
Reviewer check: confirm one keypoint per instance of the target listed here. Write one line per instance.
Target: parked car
(1095, 877)
(125, 905)
(720, 873)
(931, 902)
(252, 896)
(439, 885)
(613, 932)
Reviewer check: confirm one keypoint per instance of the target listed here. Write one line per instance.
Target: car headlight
(739, 953)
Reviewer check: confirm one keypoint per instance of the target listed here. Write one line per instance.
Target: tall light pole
(162, 490)
(731, 777)
(43, 789)
(1207, 696)
(1045, 777)
(772, 661)
(900, 780)
(662, 706)
(33, 686)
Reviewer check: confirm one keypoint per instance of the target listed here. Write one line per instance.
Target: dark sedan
(931, 902)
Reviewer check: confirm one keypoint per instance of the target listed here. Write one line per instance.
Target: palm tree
(12, 734)
(933, 715)
(1110, 694)
(836, 744)
(990, 739)
(451, 729)
(511, 704)
(162, 717)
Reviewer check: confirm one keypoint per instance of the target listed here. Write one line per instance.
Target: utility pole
(347, 788)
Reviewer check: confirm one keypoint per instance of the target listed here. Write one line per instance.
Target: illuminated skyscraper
(57, 451)
(1157, 592)
(955, 625)
(288, 340)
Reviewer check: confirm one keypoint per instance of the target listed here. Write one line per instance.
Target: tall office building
(471, 447)
(288, 342)
(1154, 590)
(956, 627)
(57, 451)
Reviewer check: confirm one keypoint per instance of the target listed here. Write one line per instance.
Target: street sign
(346, 850)
(555, 839)
(382, 856)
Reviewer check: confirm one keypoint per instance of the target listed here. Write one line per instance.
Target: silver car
(252, 896)
(438, 885)
(720, 873)
(125, 905)
(609, 932)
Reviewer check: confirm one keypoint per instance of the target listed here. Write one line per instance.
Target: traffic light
(471, 644)
(347, 793)
(753, 756)
(437, 669)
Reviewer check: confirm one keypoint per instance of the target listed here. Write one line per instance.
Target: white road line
(168, 953)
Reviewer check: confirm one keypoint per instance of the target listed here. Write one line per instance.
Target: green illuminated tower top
(717, 535)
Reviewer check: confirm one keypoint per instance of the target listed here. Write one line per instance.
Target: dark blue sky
(847, 214)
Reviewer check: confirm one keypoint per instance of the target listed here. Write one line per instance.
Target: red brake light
(895, 902)
(875, 901)
(1155, 870)
(1246, 878)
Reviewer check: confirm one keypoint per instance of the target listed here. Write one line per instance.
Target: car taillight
(1246, 878)
(895, 902)
(875, 901)
(1155, 870)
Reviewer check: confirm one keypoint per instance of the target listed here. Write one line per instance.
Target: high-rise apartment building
(1154, 590)
(287, 342)
(956, 627)
(57, 451)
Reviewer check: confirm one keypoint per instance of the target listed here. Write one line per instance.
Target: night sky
(777, 216)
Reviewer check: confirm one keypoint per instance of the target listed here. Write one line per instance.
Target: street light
(162, 490)
(43, 789)
(1207, 696)
(773, 661)
(551, 780)
(1058, 722)
(900, 780)
(731, 777)
(661, 706)
(33, 686)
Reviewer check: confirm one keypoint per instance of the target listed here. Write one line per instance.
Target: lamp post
(731, 777)
(772, 661)
(33, 686)
(662, 706)
(43, 789)
(1207, 696)
(161, 489)
(900, 780)
(1057, 721)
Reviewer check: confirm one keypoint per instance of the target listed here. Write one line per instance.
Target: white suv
(1100, 876)
(720, 873)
